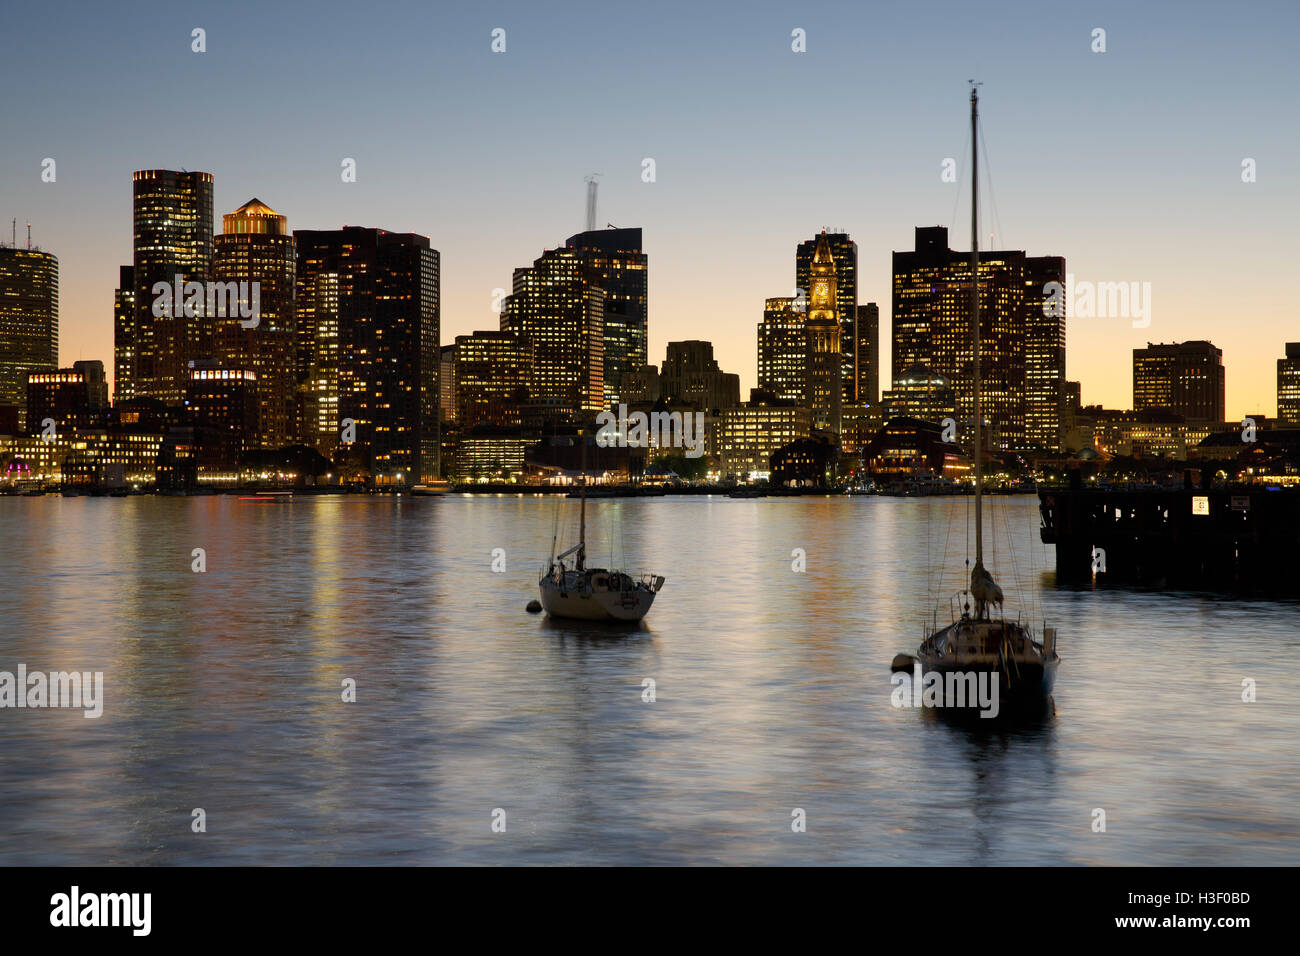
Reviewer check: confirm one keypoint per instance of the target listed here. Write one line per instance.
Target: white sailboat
(980, 644)
(593, 594)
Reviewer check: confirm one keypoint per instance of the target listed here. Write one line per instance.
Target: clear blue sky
(1127, 162)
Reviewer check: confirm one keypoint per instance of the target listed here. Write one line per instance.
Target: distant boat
(981, 644)
(594, 594)
(432, 488)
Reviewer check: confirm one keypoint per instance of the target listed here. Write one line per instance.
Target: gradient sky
(1128, 163)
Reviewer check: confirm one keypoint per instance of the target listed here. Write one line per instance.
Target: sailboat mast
(582, 508)
(975, 322)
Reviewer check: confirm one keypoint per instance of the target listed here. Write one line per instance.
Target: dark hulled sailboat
(989, 648)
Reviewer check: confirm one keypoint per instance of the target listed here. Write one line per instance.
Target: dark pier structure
(1241, 541)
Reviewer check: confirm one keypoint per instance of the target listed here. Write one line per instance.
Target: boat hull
(991, 651)
(1028, 687)
(595, 605)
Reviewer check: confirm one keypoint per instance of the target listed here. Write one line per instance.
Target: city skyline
(1117, 189)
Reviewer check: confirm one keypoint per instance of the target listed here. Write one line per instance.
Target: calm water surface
(223, 691)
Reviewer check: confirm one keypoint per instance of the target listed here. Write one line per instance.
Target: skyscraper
(557, 312)
(368, 333)
(173, 241)
(1288, 386)
(824, 393)
(782, 350)
(124, 320)
(844, 253)
(867, 354)
(255, 246)
(932, 329)
(614, 256)
(1184, 377)
(29, 321)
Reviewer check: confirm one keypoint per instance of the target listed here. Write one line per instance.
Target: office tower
(844, 255)
(1185, 378)
(932, 328)
(74, 397)
(867, 354)
(255, 246)
(782, 350)
(447, 383)
(691, 374)
(1288, 386)
(615, 257)
(124, 319)
(557, 312)
(368, 317)
(823, 385)
(491, 379)
(29, 321)
(173, 242)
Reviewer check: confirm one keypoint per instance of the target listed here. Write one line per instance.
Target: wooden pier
(1241, 541)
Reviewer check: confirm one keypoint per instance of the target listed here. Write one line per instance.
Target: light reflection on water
(224, 692)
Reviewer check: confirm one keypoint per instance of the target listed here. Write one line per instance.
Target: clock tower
(824, 373)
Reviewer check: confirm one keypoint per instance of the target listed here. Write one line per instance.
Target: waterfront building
(223, 404)
(368, 348)
(74, 397)
(750, 432)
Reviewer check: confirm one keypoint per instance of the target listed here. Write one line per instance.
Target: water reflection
(772, 693)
